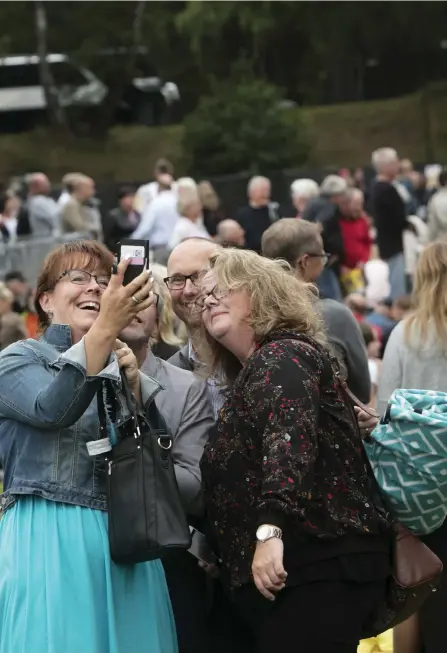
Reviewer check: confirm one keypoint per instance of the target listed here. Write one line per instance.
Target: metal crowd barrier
(27, 254)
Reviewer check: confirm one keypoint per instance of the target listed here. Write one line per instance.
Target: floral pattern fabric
(285, 451)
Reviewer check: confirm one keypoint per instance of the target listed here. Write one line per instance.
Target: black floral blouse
(286, 451)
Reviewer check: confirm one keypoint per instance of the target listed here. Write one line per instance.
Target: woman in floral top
(305, 554)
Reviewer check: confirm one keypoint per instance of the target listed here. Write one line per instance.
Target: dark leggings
(321, 617)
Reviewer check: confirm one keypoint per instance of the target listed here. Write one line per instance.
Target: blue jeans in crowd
(398, 282)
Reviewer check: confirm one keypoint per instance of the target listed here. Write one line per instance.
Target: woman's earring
(49, 315)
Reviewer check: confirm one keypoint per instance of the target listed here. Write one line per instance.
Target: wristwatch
(268, 532)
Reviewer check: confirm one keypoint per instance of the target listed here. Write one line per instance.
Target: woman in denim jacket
(59, 589)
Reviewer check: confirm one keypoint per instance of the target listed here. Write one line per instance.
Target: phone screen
(133, 252)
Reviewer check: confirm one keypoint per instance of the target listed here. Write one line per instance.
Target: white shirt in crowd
(146, 194)
(158, 220)
(10, 224)
(377, 275)
(184, 228)
(64, 197)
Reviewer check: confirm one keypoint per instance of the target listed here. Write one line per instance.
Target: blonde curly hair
(279, 301)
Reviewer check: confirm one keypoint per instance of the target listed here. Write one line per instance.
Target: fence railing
(27, 254)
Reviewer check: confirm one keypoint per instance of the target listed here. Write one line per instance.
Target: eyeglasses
(216, 292)
(325, 257)
(83, 278)
(178, 281)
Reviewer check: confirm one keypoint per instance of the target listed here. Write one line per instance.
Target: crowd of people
(239, 334)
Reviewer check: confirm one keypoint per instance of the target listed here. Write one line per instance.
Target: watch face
(263, 532)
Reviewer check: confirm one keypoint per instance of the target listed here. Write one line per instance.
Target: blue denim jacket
(48, 413)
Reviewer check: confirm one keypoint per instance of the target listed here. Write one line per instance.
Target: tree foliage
(318, 52)
(243, 127)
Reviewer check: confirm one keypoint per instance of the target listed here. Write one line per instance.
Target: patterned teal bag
(408, 454)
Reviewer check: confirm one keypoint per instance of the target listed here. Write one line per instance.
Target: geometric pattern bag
(416, 570)
(408, 454)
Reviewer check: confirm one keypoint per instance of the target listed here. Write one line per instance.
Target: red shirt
(356, 240)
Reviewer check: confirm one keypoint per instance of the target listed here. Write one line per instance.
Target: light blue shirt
(158, 220)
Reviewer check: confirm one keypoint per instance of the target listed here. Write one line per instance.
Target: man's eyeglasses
(325, 257)
(216, 292)
(178, 281)
(83, 278)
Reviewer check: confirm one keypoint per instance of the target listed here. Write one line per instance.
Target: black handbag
(146, 516)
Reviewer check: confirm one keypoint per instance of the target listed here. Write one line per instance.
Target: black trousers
(188, 590)
(320, 617)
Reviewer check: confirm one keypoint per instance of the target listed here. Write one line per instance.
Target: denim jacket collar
(58, 336)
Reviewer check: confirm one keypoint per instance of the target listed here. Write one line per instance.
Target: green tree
(241, 126)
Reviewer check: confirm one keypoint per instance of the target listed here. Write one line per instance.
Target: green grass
(340, 135)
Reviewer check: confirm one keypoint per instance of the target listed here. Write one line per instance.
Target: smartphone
(200, 548)
(138, 253)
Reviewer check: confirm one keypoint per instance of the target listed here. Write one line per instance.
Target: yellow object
(352, 281)
(381, 644)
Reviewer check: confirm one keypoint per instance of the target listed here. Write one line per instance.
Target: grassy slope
(339, 135)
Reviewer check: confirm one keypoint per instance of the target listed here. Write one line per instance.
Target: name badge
(98, 447)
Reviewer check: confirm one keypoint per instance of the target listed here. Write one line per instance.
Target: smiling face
(71, 284)
(185, 266)
(76, 299)
(226, 316)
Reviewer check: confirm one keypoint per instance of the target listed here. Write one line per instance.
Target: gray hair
(355, 192)
(257, 181)
(305, 188)
(333, 185)
(382, 156)
(186, 199)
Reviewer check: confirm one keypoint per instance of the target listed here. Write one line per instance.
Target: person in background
(161, 215)
(230, 234)
(326, 210)
(382, 320)
(355, 231)
(345, 174)
(416, 357)
(373, 348)
(148, 192)
(300, 244)
(9, 209)
(164, 342)
(211, 214)
(259, 214)
(123, 220)
(357, 242)
(305, 554)
(377, 281)
(437, 210)
(189, 224)
(42, 210)
(301, 191)
(17, 284)
(68, 182)
(389, 213)
(12, 326)
(75, 216)
(358, 306)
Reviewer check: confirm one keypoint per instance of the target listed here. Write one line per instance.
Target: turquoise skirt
(61, 593)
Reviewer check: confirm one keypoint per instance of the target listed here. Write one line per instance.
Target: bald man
(260, 213)
(43, 212)
(230, 234)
